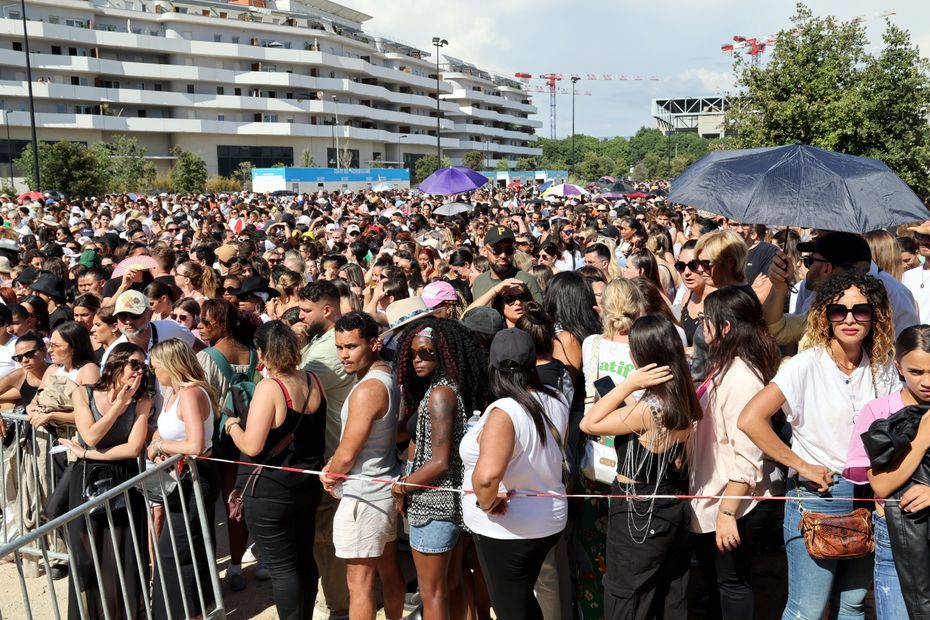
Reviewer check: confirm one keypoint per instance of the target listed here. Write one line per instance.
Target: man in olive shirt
(499, 247)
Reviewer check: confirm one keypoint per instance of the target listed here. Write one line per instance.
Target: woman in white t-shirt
(847, 363)
(516, 447)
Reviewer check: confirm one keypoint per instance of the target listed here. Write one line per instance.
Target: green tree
(526, 164)
(594, 166)
(647, 141)
(473, 159)
(502, 165)
(190, 171)
(822, 88)
(244, 174)
(426, 166)
(68, 167)
(127, 169)
(306, 161)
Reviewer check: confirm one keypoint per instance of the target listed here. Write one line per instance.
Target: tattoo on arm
(442, 411)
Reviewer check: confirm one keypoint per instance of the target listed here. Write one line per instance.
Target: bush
(221, 185)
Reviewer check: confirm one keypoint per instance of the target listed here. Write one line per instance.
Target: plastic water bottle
(337, 491)
(472, 421)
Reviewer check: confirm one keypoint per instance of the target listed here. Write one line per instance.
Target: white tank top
(171, 426)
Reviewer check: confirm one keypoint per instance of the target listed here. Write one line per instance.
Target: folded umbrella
(799, 185)
(453, 180)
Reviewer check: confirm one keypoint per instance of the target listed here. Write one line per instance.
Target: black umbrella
(799, 185)
(621, 187)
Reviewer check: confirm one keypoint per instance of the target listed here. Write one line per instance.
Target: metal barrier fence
(184, 537)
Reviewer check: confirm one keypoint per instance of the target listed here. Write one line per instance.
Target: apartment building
(269, 82)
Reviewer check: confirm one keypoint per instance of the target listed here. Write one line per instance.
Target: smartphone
(603, 386)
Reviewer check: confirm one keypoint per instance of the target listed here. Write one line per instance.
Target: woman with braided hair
(444, 378)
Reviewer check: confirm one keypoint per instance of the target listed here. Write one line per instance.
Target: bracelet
(400, 483)
(729, 513)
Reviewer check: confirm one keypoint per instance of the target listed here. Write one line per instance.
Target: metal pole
(9, 145)
(32, 107)
(438, 42)
(571, 169)
(336, 136)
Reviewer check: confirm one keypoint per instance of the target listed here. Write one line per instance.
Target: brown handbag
(837, 537)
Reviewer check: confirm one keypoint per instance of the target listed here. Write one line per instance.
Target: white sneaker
(251, 554)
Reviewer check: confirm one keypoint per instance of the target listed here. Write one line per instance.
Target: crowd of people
(455, 381)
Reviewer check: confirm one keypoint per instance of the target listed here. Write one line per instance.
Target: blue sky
(679, 41)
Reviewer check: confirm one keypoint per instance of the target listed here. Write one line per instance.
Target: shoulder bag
(598, 462)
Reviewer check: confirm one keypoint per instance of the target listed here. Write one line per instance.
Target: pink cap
(438, 292)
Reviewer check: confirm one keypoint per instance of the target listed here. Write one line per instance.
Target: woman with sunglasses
(112, 422)
(847, 363)
(695, 289)
(548, 254)
(20, 386)
(507, 297)
(444, 380)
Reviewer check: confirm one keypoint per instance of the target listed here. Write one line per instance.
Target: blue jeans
(815, 584)
(889, 602)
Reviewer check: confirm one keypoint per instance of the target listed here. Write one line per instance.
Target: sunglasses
(179, 317)
(427, 355)
(136, 365)
(26, 355)
(680, 266)
(126, 317)
(810, 259)
(507, 250)
(509, 300)
(568, 231)
(862, 313)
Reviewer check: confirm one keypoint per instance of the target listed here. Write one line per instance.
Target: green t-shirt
(486, 282)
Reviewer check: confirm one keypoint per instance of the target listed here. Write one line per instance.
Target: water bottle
(337, 491)
(473, 420)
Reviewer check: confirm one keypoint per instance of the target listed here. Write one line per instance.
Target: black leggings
(283, 529)
(510, 569)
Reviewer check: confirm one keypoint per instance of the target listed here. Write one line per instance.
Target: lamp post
(438, 43)
(335, 136)
(9, 145)
(571, 169)
(32, 107)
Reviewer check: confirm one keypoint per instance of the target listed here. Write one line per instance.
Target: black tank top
(688, 323)
(26, 393)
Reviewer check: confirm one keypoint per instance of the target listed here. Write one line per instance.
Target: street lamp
(336, 137)
(32, 107)
(571, 169)
(438, 43)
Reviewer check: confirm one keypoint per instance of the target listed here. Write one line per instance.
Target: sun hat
(405, 311)
(255, 286)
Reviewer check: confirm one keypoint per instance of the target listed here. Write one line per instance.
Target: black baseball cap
(483, 320)
(512, 349)
(497, 234)
(839, 248)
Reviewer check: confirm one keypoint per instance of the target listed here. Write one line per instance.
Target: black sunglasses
(135, 364)
(810, 259)
(507, 250)
(862, 313)
(427, 355)
(693, 265)
(512, 299)
(126, 317)
(20, 357)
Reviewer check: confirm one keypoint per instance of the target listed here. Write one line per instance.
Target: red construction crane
(756, 46)
(552, 79)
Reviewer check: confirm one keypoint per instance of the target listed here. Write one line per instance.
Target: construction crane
(551, 87)
(755, 46)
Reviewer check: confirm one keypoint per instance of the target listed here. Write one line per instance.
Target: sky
(676, 40)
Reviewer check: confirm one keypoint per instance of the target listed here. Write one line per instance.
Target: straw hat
(406, 311)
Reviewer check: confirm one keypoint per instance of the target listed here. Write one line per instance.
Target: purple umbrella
(453, 180)
(612, 195)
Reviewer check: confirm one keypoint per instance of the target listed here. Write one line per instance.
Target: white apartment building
(262, 81)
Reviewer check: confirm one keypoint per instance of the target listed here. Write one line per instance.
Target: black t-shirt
(759, 259)
(110, 288)
(60, 315)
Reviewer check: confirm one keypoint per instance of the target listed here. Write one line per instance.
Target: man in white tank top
(364, 527)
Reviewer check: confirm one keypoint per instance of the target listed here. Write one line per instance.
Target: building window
(56, 50)
(143, 114)
(235, 40)
(17, 46)
(190, 89)
(217, 38)
(352, 156)
(221, 117)
(158, 88)
(229, 157)
(220, 90)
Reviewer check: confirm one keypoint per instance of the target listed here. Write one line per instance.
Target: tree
(426, 166)
(473, 159)
(306, 161)
(594, 166)
(526, 164)
(190, 171)
(68, 167)
(244, 174)
(502, 165)
(822, 88)
(127, 169)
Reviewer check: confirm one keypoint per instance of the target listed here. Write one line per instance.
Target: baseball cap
(226, 253)
(353, 228)
(840, 248)
(438, 292)
(496, 234)
(512, 349)
(132, 302)
(483, 320)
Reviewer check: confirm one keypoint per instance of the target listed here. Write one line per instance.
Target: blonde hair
(203, 278)
(622, 303)
(178, 360)
(614, 270)
(288, 283)
(726, 248)
(886, 253)
(522, 260)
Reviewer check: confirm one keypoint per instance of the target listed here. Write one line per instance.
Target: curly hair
(459, 359)
(879, 342)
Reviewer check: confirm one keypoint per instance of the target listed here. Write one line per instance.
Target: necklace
(846, 369)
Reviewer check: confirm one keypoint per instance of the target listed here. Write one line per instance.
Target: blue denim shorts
(434, 537)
